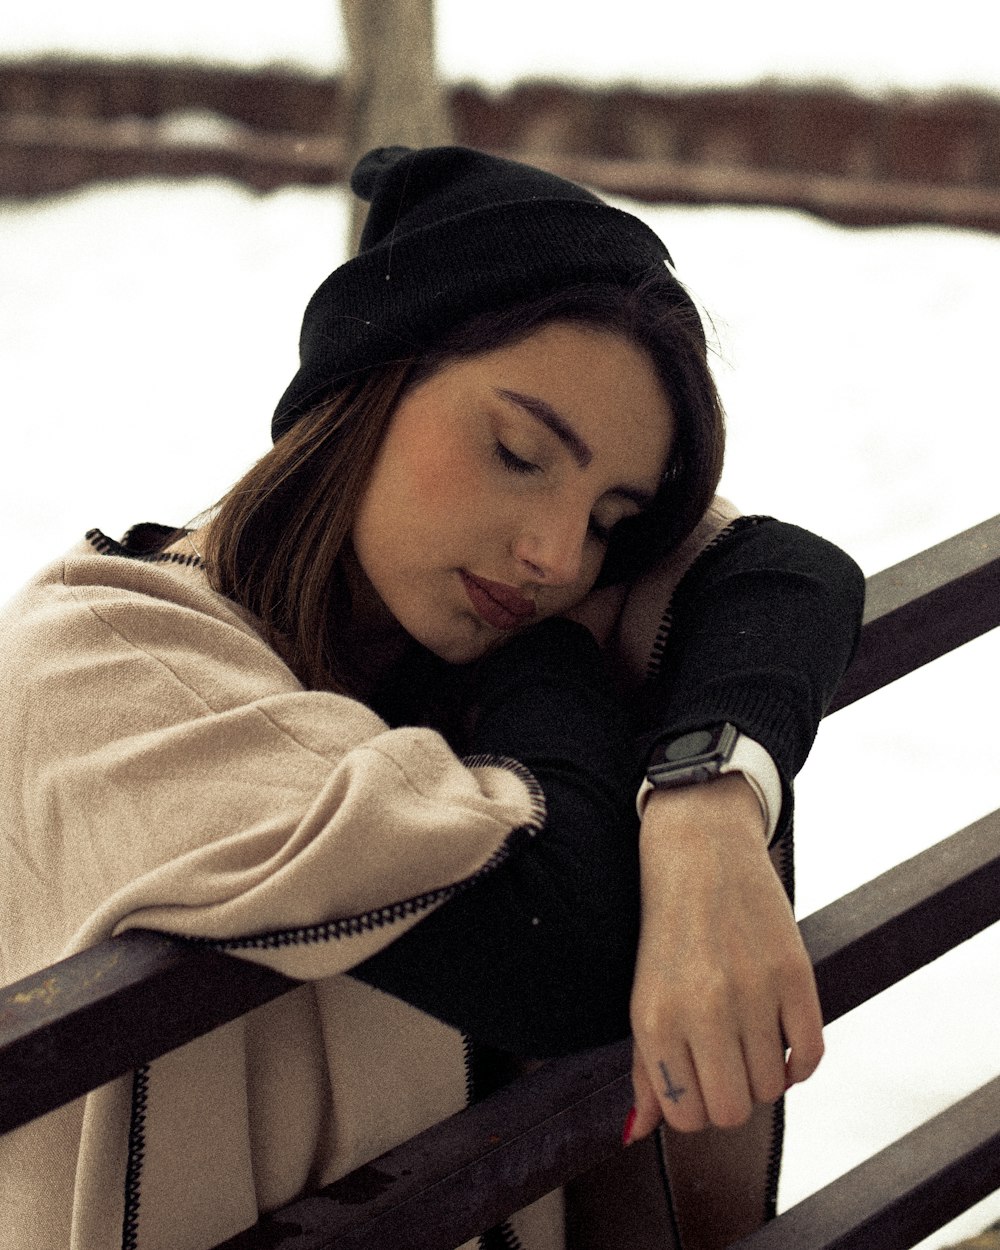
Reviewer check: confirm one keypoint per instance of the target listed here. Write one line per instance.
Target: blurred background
(828, 183)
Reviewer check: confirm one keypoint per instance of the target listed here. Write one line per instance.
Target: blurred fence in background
(859, 160)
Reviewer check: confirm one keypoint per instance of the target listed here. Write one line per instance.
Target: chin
(468, 642)
(463, 652)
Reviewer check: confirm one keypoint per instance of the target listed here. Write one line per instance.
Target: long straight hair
(276, 544)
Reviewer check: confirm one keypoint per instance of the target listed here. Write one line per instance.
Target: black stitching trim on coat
(667, 619)
(502, 1237)
(109, 547)
(350, 926)
(774, 1160)
(136, 1155)
(660, 1156)
(536, 821)
(786, 872)
(468, 1056)
(379, 917)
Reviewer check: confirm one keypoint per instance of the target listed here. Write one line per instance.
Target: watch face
(694, 756)
(700, 742)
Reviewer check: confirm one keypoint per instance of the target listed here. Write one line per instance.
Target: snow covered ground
(146, 331)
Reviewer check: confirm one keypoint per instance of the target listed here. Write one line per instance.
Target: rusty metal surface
(903, 1193)
(924, 607)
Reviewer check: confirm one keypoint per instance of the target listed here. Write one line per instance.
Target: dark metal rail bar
(468, 1173)
(903, 1193)
(924, 607)
(85, 1020)
(902, 920)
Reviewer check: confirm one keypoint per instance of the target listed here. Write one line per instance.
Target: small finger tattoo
(670, 1090)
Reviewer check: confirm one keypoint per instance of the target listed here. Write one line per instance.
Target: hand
(600, 611)
(723, 984)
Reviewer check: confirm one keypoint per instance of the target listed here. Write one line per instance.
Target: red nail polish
(627, 1130)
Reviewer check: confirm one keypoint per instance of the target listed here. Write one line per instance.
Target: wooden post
(391, 86)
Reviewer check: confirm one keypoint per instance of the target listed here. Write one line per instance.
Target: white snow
(146, 331)
(874, 44)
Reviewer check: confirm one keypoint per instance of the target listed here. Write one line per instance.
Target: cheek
(439, 473)
(443, 481)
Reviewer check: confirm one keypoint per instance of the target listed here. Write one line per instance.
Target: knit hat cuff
(399, 296)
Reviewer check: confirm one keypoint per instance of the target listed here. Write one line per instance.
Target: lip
(499, 605)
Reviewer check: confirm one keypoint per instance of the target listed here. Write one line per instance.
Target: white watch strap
(756, 765)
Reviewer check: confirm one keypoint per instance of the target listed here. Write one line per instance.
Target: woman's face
(499, 479)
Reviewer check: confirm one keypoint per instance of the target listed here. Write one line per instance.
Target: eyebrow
(578, 448)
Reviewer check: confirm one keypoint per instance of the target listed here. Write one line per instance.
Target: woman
(369, 720)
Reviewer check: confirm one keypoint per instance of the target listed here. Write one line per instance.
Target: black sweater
(537, 957)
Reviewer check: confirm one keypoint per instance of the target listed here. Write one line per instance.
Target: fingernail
(627, 1130)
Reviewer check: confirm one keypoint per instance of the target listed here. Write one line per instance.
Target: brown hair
(275, 544)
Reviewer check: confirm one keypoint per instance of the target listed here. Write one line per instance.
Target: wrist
(723, 807)
(713, 751)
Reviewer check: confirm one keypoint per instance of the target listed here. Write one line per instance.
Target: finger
(645, 1102)
(764, 1057)
(802, 1026)
(679, 1094)
(723, 1077)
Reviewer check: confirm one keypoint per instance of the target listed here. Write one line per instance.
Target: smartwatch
(712, 751)
(693, 757)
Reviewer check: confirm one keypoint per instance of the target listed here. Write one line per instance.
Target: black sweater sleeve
(762, 628)
(536, 958)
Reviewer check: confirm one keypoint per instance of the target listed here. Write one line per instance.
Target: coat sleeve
(163, 769)
(174, 775)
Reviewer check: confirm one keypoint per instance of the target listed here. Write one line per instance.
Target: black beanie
(452, 233)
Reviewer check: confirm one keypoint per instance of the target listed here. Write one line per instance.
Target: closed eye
(513, 462)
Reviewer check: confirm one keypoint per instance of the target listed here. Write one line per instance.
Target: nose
(552, 546)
